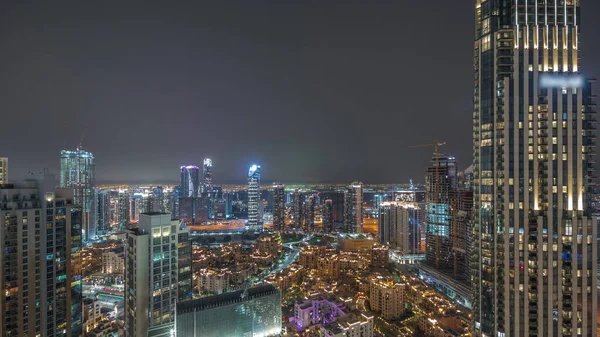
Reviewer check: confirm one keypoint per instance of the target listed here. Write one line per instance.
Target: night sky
(314, 91)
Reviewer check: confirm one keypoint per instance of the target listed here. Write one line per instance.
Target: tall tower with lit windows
(534, 262)
(254, 220)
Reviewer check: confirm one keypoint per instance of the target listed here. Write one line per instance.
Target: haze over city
(314, 91)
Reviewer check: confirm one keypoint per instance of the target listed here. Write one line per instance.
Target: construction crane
(436, 191)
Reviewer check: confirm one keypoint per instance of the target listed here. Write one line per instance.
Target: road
(291, 256)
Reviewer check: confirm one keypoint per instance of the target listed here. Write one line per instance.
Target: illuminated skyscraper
(189, 182)
(77, 172)
(328, 224)
(103, 215)
(207, 175)
(535, 249)
(3, 170)
(152, 275)
(254, 220)
(124, 204)
(188, 194)
(278, 206)
(41, 288)
(399, 226)
(440, 180)
(353, 203)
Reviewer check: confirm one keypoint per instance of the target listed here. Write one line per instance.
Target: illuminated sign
(561, 81)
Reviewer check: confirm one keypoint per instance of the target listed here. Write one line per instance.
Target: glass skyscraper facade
(77, 172)
(534, 261)
(188, 194)
(278, 206)
(254, 221)
(256, 312)
(353, 207)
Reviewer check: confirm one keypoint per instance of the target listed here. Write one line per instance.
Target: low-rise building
(354, 242)
(113, 262)
(354, 324)
(91, 315)
(318, 311)
(387, 298)
(214, 281)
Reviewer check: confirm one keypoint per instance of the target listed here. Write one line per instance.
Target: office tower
(189, 182)
(440, 179)
(252, 312)
(124, 208)
(156, 200)
(535, 260)
(184, 265)
(310, 202)
(328, 225)
(175, 202)
(254, 220)
(77, 172)
(297, 203)
(41, 264)
(353, 198)
(207, 175)
(461, 215)
(188, 194)
(278, 206)
(3, 170)
(399, 226)
(103, 217)
(152, 275)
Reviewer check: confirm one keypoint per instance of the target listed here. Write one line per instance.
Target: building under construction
(448, 220)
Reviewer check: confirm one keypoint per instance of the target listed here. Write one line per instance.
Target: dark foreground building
(256, 312)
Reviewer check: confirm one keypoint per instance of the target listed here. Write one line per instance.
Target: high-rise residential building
(297, 205)
(535, 254)
(461, 240)
(252, 312)
(77, 172)
(309, 207)
(175, 202)
(328, 223)
(399, 226)
(156, 200)
(152, 275)
(103, 208)
(41, 262)
(184, 265)
(254, 218)
(207, 175)
(3, 170)
(278, 206)
(124, 203)
(353, 204)
(441, 178)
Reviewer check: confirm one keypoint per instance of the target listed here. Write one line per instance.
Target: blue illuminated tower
(254, 221)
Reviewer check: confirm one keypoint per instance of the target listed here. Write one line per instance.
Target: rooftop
(225, 299)
(354, 236)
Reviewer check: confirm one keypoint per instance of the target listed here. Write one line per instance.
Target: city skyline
(319, 67)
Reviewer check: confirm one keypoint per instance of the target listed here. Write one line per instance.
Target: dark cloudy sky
(321, 90)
